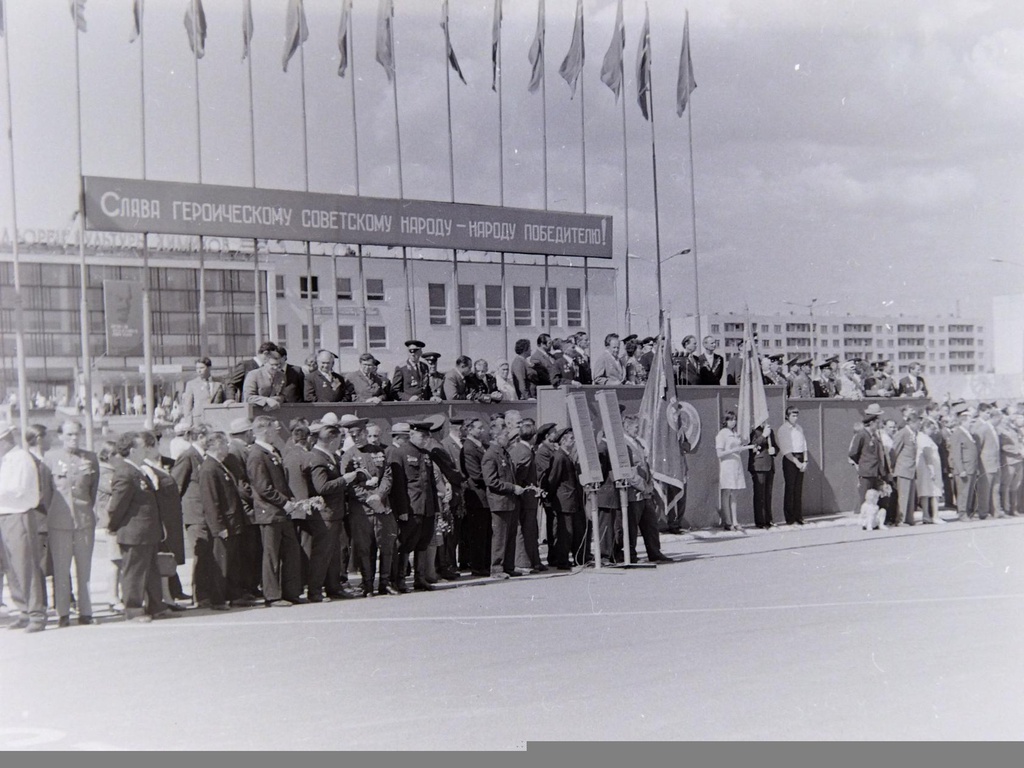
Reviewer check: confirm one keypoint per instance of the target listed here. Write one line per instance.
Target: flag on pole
(664, 423)
(78, 14)
(643, 67)
(753, 406)
(686, 83)
(611, 69)
(572, 64)
(295, 31)
(247, 28)
(346, 10)
(495, 41)
(537, 51)
(196, 27)
(136, 21)
(452, 59)
(386, 37)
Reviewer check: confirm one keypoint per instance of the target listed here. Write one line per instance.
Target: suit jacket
(760, 459)
(500, 479)
(134, 515)
(563, 484)
(801, 386)
(374, 460)
(520, 378)
(261, 384)
(542, 370)
(988, 446)
(456, 386)
(409, 381)
(325, 479)
(76, 483)
(198, 394)
(963, 452)
(222, 504)
(186, 474)
(236, 379)
(294, 384)
(471, 462)
(364, 387)
(412, 470)
(296, 460)
(711, 375)
(912, 386)
(270, 490)
(235, 462)
(168, 501)
(867, 452)
(904, 454)
(323, 389)
(689, 370)
(479, 386)
(608, 369)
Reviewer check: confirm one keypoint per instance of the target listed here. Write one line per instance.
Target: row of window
(845, 328)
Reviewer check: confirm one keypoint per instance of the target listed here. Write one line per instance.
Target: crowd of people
(266, 524)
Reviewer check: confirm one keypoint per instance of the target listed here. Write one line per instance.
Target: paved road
(824, 632)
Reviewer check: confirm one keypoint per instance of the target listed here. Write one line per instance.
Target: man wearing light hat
(19, 495)
(410, 381)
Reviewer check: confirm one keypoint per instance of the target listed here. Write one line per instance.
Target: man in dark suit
(197, 533)
(524, 468)
(988, 492)
(868, 455)
(367, 385)
(913, 384)
(412, 472)
(711, 363)
(963, 461)
(134, 517)
(688, 371)
(456, 386)
(903, 460)
(236, 379)
(294, 387)
(324, 385)
(503, 500)
(264, 386)
(240, 438)
(226, 522)
(761, 465)
(410, 380)
(476, 528)
(562, 484)
(272, 503)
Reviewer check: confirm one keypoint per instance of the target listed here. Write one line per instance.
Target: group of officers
(275, 520)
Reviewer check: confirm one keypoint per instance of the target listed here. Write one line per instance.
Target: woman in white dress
(503, 380)
(929, 472)
(729, 446)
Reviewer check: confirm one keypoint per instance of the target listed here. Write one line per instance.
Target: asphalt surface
(824, 632)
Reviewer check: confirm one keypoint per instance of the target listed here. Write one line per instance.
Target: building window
(437, 297)
(317, 337)
(778, 343)
(374, 289)
(549, 307)
(344, 289)
(378, 336)
(835, 329)
(279, 286)
(467, 304)
(282, 334)
(346, 337)
(714, 328)
(309, 287)
(492, 305)
(574, 307)
(522, 305)
(778, 329)
(835, 342)
(734, 327)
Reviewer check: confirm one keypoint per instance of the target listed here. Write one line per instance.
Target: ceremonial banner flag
(346, 10)
(78, 14)
(753, 406)
(686, 83)
(495, 41)
(448, 44)
(136, 21)
(386, 37)
(247, 28)
(196, 27)
(537, 51)
(572, 65)
(122, 311)
(295, 31)
(643, 66)
(611, 69)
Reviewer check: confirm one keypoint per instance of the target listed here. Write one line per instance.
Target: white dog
(871, 515)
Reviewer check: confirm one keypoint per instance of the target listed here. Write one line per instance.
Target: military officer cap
(435, 420)
(631, 337)
(543, 429)
(415, 344)
(421, 426)
(431, 355)
(776, 357)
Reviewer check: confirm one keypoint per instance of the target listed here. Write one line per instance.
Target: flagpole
(19, 308)
(409, 328)
(583, 152)
(196, 36)
(305, 169)
(545, 321)
(82, 270)
(451, 179)
(147, 319)
(693, 218)
(257, 298)
(355, 150)
(625, 191)
(654, 169)
(501, 191)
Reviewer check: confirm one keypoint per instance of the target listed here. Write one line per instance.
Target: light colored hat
(182, 426)
(873, 410)
(351, 420)
(239, 426)
(400, 428)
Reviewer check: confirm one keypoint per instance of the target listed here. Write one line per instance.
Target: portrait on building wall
(122, 314)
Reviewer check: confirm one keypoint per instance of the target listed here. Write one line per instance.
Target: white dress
(730, 468)
(929, 468)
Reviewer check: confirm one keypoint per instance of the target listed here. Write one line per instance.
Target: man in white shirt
(793, 446)
(19, 495)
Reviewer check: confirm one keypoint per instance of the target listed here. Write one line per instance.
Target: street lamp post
(658, 264)
(814, 328)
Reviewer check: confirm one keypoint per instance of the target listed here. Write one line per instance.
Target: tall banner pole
(256, 288)
(349, 42)
(147, 314)
(82, 269)
(693, 219)
(451, 177)
(501, 171)
(19, 300)
(654, 173)
(546, 304)
(583, 169)
(305, 168)
(409, 327)
(625, 218)
(203, 340)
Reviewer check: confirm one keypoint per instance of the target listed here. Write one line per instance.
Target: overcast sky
(866, 152)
